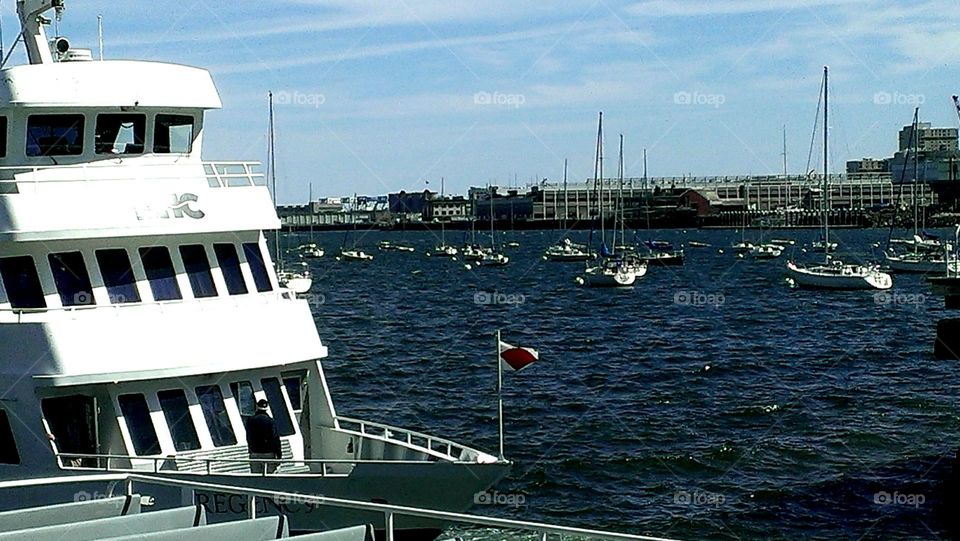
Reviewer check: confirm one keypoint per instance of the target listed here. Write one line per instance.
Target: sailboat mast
(826, 183)
(566, 202)
(646, 189)
(916, 168)
(623, 238)
(493, 237)
(272, 164)
(598, 177)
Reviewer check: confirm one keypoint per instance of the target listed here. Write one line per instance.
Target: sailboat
(610, 270)
(310, 250)
(443, 249)
(296, 280)
(566, 249)
(353, 253)
(472, 251)
(833, 273)
(492, 258)
(658, 252)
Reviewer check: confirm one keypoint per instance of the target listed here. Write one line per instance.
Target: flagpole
(500, 394)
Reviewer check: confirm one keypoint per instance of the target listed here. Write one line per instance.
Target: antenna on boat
(100, 34)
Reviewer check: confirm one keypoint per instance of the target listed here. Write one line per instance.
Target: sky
(378, 96)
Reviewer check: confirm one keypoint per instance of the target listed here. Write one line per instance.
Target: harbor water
(709, 401)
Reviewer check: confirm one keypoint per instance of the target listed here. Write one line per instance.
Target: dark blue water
(710, 401)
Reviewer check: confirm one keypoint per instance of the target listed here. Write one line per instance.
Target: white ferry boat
(141, 317)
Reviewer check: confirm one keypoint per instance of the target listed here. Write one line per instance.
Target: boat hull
(920, 266)
(820, 278)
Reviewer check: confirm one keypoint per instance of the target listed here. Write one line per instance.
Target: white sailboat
(610, 270)
(566, 249)
(352, 253)
(443, 249)
(296, 279)
(492, 257)
(310, 250)
(833, 273)
(659, 252)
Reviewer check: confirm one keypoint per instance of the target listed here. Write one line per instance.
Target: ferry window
(8, 447)
(73, 282)
(22, 283)
(120, 133)
(292, 384)
(54, 135)
(118, 276)
(173, 134)
(176, 411)
(278, 406)
(159, 269)
(198, 270)
(215, 413)
(230, 266)
(257, 267)
(136, 414)
(246, 401)
(3, 137)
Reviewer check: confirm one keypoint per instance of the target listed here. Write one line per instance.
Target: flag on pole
(517, 358)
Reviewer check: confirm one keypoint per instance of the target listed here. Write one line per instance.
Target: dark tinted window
(118, 276)
(254, 256)
(215, 413)
(177, 413)
(292, 383)
(73, 281)
(120, 133)
(3, 136)
(22, 283)
(246, 401)
(54, 135)
(8, 446)
(173, 134)
(198, 270)
(136, 414)
(278, 406)
(159, 270)
(230, 266)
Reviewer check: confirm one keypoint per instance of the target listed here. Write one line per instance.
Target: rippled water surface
(710, 401)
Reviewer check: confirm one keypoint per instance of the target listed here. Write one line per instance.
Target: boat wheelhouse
(141, 317)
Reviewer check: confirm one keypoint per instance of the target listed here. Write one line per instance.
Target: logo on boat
(179, 207)
(499, 498)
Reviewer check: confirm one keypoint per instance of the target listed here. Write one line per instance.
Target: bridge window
(118, 276)
(176, 411)
(197, 265)
(136, 414)
(120, 133)
(230, 266)
(159, 269)
(54, 135)
(243, 394)
(257, 267)
(22, 283)
(215, 413)
(173, 134)
(278, 406)
(293, 384)
(73, 282)
(8, 447)
(3, 137)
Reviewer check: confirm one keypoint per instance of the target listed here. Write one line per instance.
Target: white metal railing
(418, 441)
(389, 512)
(218, 174)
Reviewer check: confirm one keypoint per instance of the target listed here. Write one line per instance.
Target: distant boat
(660, 252)
(783, 242)
(765, 251)
(566, 249)
(443, 249)
(310, 250)
(387, 246)
(296, 278)
(697, 244)
(834, 274)
(354, 254)
(491, 257)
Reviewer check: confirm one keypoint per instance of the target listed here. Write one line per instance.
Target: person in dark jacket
(263, 441)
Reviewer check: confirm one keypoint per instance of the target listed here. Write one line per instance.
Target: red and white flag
(517, 358)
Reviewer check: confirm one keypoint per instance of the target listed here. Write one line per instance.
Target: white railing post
(252, 503)
(388, 524)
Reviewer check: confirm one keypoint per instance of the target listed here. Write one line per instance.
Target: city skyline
(378, 97)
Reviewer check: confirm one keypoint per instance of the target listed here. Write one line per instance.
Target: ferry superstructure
(140, 313)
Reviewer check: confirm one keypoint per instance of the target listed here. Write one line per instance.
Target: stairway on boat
(124, 519)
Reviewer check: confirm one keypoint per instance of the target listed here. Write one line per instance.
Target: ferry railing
(226, 174)
(387, 511)
(441, 447)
